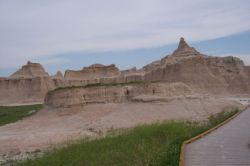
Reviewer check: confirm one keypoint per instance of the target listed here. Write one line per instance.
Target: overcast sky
(48, 30)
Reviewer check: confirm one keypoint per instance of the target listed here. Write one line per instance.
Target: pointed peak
(184, 50)
(59, 73)
(30, 70)
(182, 43)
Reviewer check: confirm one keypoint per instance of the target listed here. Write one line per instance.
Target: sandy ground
(49, 127)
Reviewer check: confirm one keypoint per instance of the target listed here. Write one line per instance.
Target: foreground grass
(14, 113)
(157, 144)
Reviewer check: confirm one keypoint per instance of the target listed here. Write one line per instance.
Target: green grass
(14, 113)
(156, 144)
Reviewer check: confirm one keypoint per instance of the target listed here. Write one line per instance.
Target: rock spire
(185, 50)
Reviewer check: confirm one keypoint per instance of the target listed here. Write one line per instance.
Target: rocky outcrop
(99, 73)
(67, 97)
(92, 72)
(184, 50)
(29, 85)
(182, 53)
(24, 90)
(30, 70)
(58, 75)
(216, 75)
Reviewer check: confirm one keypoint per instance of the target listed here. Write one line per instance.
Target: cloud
(31, 29)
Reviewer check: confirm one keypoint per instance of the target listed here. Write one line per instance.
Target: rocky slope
(67, 97)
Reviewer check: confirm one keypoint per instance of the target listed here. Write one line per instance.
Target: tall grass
(146, 145)
(14, 113)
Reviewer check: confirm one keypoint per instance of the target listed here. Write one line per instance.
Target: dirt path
(227, 146)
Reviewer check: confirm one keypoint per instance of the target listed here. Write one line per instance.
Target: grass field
(14, 113)
(146, 145)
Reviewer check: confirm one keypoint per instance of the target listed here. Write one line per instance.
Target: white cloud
(31, 29)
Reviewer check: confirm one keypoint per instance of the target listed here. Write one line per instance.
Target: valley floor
(49, 128)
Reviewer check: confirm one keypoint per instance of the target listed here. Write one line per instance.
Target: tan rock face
(95, 71)
(30, 70)
(213, 75)
(24, 90)
(216, 75)
(114, 94)
(29, 85)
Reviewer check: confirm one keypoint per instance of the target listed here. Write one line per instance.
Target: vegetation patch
(156, 144)
(15, 113)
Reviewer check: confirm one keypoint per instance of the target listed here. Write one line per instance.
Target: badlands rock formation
(99, 98)
(30, 70)
(202, 74)
(28, 85)
(185, 67)
(98, 73)
(92, 72)
(75, 96)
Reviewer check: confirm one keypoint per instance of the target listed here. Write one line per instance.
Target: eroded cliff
(116, 93)
(29, 85)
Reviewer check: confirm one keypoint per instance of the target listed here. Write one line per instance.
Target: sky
(62, 34)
